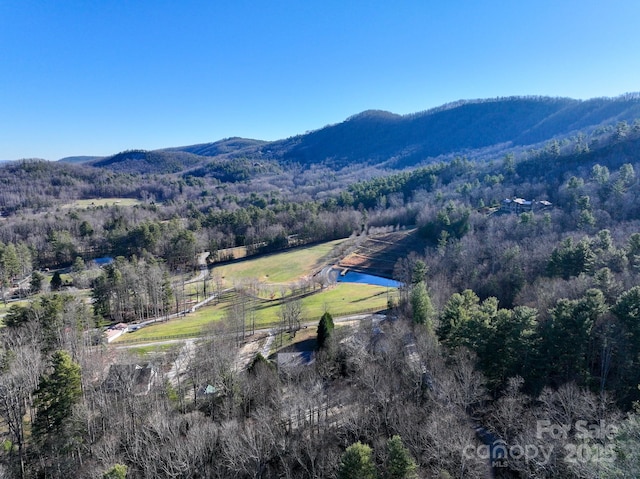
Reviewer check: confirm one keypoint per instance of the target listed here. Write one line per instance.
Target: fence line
(275, 326)
(149, 339)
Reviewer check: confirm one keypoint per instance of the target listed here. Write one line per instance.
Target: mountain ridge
(382, 138)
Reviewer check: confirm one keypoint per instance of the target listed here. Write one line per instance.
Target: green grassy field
(342, 299)
(5, 307)
(145, 351)
(278, 267)
(194, 324)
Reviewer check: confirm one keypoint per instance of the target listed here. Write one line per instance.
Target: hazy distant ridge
(380, 137)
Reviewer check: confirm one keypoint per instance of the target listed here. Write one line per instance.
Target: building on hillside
(207, 391)
(520, 205)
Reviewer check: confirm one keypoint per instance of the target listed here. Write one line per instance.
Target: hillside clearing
(96, 202)
(277, 267)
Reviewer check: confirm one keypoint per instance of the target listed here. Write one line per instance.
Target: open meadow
(278, 268)
(283, 270)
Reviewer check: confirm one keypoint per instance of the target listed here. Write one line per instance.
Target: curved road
(202, 266)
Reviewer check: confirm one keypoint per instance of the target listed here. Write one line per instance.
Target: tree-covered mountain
(79, 159)
(170, 160)
(476, 129)
(227, 145)
(519, 301)
(461, 128)
(141, 161)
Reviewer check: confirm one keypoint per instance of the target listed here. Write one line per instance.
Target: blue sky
(98, 77)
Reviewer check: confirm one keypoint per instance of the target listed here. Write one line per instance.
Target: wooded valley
(512, 347)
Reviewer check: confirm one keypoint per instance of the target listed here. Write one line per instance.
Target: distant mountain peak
(374, 115)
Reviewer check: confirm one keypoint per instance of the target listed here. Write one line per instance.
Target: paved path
(266, 347)
(202, 266)
(181, 362)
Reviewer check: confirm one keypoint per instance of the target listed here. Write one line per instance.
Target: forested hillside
(478, 129)
(466, 127)
(517, 314)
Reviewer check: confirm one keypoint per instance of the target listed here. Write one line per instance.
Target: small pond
(103, 261)
(353, 277)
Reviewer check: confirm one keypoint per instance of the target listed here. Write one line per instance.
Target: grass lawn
(277, 267)
(191, 325)
(342, 299)
(145, 351)
(5, 307)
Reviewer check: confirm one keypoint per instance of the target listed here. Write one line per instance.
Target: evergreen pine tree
(421, 305)
(399, 463)
(118, 471)
(37, 279)
(325, 329)
(56, 281)
(357, 463)
(57, 394)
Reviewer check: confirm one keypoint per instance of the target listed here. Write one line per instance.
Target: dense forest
(513, 349)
